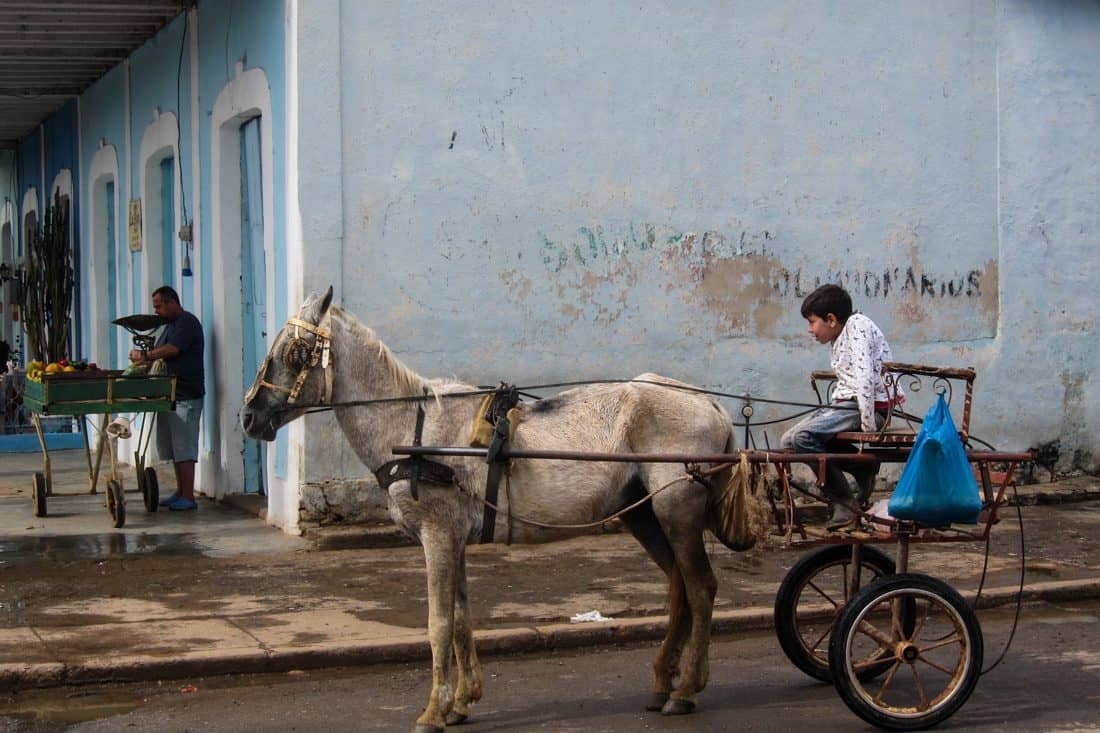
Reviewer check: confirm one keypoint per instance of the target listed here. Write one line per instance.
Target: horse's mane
(409, 383)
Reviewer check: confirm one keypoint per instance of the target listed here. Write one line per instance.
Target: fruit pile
(36, 369)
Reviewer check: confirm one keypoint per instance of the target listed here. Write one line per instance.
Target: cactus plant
(46, 299)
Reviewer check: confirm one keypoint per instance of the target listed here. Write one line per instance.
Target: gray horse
(325, 356)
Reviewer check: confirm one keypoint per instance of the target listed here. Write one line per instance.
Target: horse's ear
(326, 301)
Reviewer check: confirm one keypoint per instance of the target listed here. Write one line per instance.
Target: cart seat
(894, 437)
(900, 430)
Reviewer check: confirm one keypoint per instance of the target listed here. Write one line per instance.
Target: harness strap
(320, 355)
(404, 469)
(414, 468)
(414, 478)
(496, 456)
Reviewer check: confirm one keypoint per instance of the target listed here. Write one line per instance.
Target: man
(180, 344)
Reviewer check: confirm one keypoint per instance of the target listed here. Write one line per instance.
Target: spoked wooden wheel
(934, 664)
(813, 594)
(116, 503)
(38, 493)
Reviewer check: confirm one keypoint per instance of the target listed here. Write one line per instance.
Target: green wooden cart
(106, 393)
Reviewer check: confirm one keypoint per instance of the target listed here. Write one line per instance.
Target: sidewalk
(181, 595)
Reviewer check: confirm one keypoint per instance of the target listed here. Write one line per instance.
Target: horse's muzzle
(254, 427)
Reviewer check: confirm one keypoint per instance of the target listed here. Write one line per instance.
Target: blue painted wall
(118, 110)
(1042, 380)
(549, 192)
(103, 120)
(544, 193)
(250, 32)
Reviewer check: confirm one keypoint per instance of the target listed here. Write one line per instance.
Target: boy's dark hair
(828, 299)
(166, 292)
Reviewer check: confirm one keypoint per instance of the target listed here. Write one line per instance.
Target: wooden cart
(106, 393)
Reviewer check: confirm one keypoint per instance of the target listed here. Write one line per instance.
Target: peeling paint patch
(742, 283)
(518, 284)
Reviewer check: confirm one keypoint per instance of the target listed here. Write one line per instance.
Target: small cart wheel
(116, 503)
(934, 665)
(38, 493)
(150, 489)
(812, 595)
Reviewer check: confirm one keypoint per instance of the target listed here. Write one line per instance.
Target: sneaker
(169, 500)
(182, 504)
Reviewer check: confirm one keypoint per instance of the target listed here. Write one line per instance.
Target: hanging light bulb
(186, 263)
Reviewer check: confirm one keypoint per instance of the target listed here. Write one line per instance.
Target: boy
(859, 399)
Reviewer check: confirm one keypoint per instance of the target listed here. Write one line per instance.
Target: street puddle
(95, 546)
(57, 716)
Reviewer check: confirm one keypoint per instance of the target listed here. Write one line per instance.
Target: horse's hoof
(678, 707)
(425, 728)
(454, 718)
(656, 701)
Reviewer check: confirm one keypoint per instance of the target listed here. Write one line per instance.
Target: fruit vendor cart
(84, 394)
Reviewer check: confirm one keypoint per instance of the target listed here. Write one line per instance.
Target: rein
(528, 389)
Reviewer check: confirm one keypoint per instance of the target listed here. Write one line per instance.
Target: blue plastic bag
(937, 485)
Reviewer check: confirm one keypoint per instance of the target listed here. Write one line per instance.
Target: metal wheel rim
(957, 675)
(820, 609)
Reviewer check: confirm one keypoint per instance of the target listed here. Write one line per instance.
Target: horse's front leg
(442, 550)
(470, 683)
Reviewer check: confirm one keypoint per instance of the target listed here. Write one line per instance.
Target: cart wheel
(813, 594)
(933, 667)
(38, 493)
(116, 503)
(150, 489)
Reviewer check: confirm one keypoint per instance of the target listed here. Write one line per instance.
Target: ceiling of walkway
(52, 50)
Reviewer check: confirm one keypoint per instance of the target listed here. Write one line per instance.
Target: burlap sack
(740, 516)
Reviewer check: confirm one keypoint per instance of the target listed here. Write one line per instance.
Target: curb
(490, 642)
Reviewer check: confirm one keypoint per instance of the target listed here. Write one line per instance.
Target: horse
(325, 356)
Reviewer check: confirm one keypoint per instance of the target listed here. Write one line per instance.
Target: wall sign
(134, 225)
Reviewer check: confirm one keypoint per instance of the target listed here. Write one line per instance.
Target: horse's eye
(296, 353)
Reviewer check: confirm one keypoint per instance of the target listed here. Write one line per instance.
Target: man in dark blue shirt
(180, 344)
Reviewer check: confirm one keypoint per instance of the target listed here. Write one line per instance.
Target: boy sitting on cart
(859, 400)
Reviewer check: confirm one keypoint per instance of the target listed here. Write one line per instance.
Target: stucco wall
(1041, 370)
(578, 190)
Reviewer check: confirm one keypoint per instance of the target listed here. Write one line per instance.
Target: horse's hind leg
(700, 586)
(643, 524)
(681, 514)
(470, 683)
(441, 555)
(666, 665)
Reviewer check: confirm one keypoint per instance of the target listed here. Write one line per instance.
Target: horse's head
(295, 374)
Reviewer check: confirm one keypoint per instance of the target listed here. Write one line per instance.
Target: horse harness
(413, 468)
(297, 354)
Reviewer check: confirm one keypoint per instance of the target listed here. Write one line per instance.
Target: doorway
(253, 290)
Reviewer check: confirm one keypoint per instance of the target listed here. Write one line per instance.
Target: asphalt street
(1047, 682)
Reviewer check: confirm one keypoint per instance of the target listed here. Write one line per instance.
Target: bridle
(298, 354)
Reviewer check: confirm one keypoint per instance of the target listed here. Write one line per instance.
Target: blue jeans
(812, 433)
